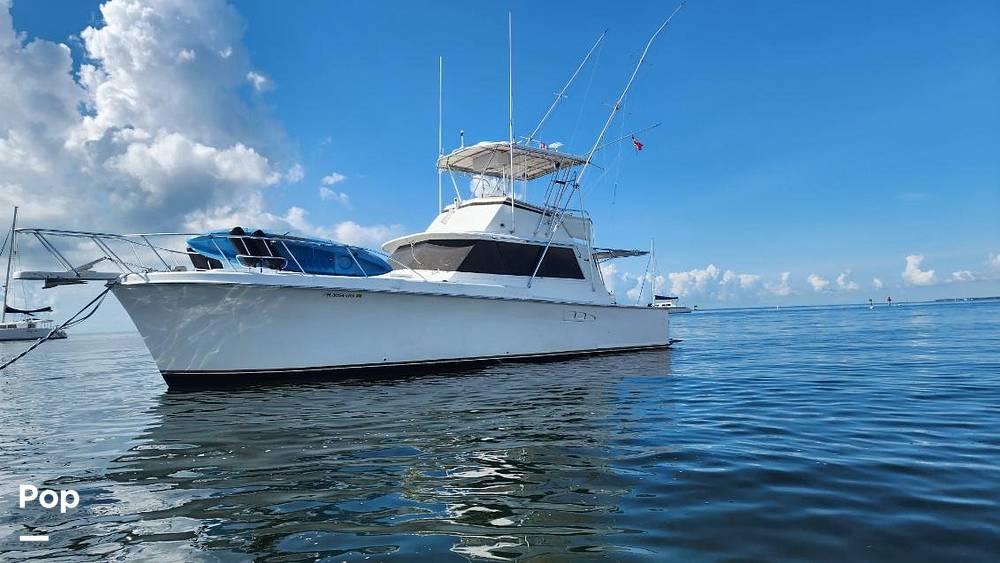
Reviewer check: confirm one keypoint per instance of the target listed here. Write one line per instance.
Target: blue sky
(808, 138)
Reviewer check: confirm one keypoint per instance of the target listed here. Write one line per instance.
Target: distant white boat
(670, 304)
(28, 327)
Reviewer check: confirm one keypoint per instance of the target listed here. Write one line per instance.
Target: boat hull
(25, 333)
(201, 333)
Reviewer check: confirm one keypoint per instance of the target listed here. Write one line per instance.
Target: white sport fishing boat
(28, 326)
(492, 278)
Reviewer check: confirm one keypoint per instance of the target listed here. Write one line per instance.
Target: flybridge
(494, 159)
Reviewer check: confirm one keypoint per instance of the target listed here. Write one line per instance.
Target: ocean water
(826, 434)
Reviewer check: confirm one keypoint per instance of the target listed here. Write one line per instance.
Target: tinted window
(488, 257)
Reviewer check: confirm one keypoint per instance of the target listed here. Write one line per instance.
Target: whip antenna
(562, 93)
(628, 85)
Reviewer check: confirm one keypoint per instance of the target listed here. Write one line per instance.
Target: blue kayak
(257, 249)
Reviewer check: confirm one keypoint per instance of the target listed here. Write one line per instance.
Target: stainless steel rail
(152, 252)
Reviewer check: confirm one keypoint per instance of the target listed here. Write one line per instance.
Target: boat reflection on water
(496, 463)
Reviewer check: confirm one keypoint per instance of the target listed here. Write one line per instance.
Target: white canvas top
(492, 158)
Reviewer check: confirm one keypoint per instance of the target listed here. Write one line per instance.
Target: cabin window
(488, 257)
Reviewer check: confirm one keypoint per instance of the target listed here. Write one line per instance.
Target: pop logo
(48, 498)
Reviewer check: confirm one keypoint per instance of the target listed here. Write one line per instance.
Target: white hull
(198, 331)
(24, 333)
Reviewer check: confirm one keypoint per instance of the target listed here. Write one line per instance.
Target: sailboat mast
(10, 259)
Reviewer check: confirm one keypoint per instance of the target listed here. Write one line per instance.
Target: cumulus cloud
(745, 281)
(645, 285)
(326, 194)
(609, 271)
(361, 235)
(818, 283)
(295, 174)
(733, 285)
(781, 288)
(259, 81)
(962, 275)
(845, 284)
(295, 219)
(914, 275)
(153, 132)
(333, 178)
(877, 283)
(692, 281)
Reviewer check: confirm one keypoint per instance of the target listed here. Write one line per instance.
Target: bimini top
(492, 158)
(282, 252)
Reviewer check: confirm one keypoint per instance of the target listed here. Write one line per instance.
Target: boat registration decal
(343, 295)
(579, 316)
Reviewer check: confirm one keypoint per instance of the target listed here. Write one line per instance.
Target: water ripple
(812, 434)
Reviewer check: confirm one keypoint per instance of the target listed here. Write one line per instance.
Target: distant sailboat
(29, 327)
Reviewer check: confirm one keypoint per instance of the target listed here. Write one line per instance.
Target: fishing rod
(628, 86)
(562, 93)
(629, 135)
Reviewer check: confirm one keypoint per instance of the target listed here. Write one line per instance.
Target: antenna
(628, 85)
(562, 92)
(10, 259)
(630, 135)
(510, 109)
(440, 122)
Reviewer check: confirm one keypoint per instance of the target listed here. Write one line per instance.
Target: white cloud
(877, 283)
(150, 133)
(962, 275)
(845, 284)
(167, 163)
(913, 275)
(372, 236)
(294, 219)
(692, 281)
(745, 281)
(732, 285)
(295, 174)
(326, 194)
(609, 271)
(333, 178)
(818, 282)
(782, 288)
(258, 81)
(645, 285)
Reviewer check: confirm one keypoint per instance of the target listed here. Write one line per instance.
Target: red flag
(638, 145)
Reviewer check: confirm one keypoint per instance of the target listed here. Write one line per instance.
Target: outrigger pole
(621, 98)
(510, 109)
(562, 93)
(440, 123)
(630, 135)
(558, 215)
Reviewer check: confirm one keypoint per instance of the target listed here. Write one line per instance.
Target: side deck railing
(144, 253)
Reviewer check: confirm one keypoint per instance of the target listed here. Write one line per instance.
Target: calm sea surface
(836, 434)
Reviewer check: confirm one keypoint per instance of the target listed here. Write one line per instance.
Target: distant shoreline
(844, 305)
